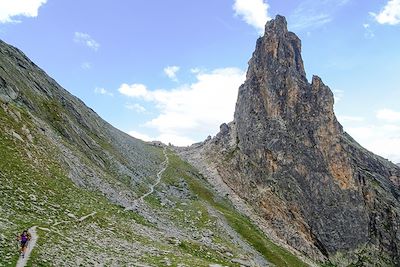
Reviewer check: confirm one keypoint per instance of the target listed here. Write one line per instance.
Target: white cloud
(381, 137)
(388, 115)
(195, 70)
(390, 14)
(337, 95)
(253, 12)
(102, 91)
(87, 40)
(368, 32)
(383, 140)
(136, 107)
(140, 136)
(165, 138)
(9, 9)
(175, 139)
(171, 71)
(313, 21)
(134, 90)
(310, 14)
(345, 119)
(192, 112)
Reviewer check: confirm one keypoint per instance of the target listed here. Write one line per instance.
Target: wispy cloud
(338, 95)
(368, 31)
(314, 14)
(345, 118)
(140, 136)
(86, 40)
(383, 140)
(102, 91)
(314, 21)
(195, 70)
(390, 14)
(134, 90)
(86, 65)
(9, 9)
(171, 71)
(388, 115)
(253, 12)
(194, 108)
(136, 107)
(381, 137)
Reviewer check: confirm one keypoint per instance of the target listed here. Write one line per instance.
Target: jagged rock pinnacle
(287, 154)
(278, 50)
(278, 25)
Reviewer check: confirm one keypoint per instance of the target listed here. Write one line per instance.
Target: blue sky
(170, 70)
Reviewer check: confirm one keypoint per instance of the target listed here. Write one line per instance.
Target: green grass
(37, 192)
(241, 224)
(57, 197)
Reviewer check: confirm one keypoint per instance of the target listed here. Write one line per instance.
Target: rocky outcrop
(286, 154)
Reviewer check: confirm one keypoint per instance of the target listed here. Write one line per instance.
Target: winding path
(22, 261)
(165, 163)
(159, 174)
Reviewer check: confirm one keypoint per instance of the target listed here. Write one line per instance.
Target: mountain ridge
(50, 102)
(286, 154)
(100, 197)
(282, 184)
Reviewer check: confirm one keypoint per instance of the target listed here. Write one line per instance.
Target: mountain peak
(278, 50)
(286, 153)
(278, 25)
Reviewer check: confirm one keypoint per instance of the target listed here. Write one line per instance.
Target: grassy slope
(240, 223)
(35, 190)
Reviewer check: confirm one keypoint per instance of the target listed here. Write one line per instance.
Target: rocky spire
(276, 94)
(278, 49)
(277, 78)
(287, 154)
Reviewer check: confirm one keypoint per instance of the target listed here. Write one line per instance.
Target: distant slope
(71, 174)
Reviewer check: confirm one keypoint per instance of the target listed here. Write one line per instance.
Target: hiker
(24, 240)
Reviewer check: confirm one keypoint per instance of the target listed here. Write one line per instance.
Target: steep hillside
(285, 153)
(98, 197)
(96, 154)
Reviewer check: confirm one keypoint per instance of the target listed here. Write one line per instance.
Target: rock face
(288, 156)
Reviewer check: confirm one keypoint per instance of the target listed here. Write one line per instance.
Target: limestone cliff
(288, 156)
